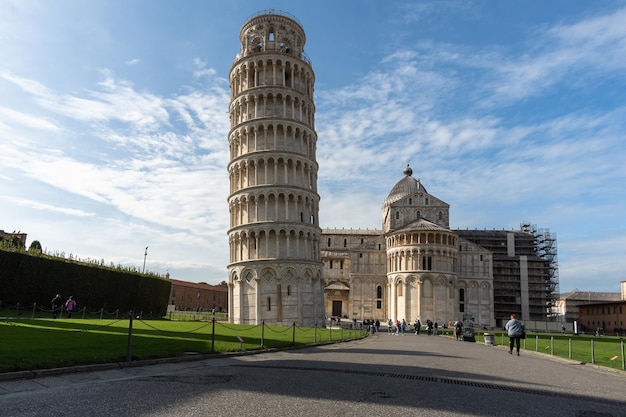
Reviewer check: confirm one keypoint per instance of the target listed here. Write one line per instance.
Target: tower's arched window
(269, 303)
(410, 201)
(288, 289)
(440, 215)
(328, 242)
(426, 200)
(379, 292)
(397, 215)
(345, 243)
(400, 289)
(271, 36)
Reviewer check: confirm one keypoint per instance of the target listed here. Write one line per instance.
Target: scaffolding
(539, 249)
(546, 250)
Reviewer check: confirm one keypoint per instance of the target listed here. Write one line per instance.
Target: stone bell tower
(274, 274)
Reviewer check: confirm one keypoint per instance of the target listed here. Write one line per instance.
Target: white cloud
(27, 120)
(38, 205)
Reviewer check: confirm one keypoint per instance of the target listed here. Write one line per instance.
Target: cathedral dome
(406, 186)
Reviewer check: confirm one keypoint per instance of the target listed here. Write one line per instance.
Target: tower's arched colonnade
(275, 265)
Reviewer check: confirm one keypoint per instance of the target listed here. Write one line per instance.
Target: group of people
(369, 324)
(58, 305)
(401, 327)
(514, 327)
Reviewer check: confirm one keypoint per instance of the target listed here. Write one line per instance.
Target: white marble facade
(275, 269)
(415, 267)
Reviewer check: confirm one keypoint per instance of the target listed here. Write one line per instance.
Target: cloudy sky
(114, 123)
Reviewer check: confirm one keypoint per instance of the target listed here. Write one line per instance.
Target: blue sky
(114, 123)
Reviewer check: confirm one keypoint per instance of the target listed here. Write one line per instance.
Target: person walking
(458, 330)
(515, 330)
(70, 306)
(57, 305)
(403, 325)
(390, 326)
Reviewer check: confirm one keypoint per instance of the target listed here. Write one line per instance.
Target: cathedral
(285, 269)
(414, 268)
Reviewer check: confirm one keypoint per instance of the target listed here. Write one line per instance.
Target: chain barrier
(40, 329)
(238, 328)
(285, 330)
(172, 331)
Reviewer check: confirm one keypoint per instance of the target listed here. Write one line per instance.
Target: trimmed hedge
(28, 279)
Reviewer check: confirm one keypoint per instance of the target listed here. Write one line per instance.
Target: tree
(35, 247)
(223, 283)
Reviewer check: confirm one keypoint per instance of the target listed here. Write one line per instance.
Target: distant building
(568, 304)
(198, 296)
(607, 316)
(16, 238)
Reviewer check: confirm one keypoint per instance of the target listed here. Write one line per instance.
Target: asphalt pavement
(381, 375)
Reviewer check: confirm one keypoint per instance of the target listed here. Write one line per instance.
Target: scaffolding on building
(546, 250)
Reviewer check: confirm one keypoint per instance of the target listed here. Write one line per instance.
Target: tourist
(70, 306)
(515, 330)
(57, 305)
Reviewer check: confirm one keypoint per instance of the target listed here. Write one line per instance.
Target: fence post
(330, 333)
(569, 343)
(593, 359)
(552, 345)
(315, 338)
(101, 312)
(621, 346)
(536, 343)
(34, 307)
(117, 313)
(130, 336)
(262, 334)
(84, 311)
(17, 312)
(294, 334)
(213, 337)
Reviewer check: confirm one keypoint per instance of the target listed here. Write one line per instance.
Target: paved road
(381, 375)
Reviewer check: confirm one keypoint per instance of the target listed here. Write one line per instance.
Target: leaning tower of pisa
(274, 274)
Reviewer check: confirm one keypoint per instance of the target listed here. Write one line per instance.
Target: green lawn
(27, 344)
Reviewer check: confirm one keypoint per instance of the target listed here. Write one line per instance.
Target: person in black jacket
(57, 306)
